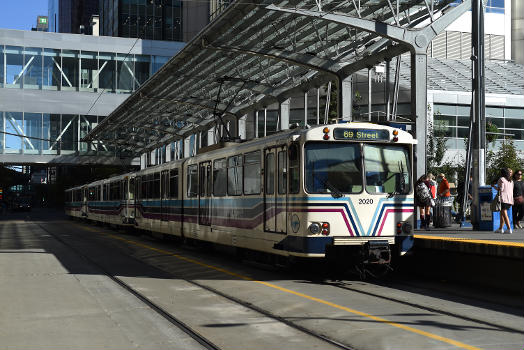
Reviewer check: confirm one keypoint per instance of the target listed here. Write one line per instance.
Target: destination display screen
(361, 134)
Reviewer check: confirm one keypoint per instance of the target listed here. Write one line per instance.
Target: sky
(21, 14)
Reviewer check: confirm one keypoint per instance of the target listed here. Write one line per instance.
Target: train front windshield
(346, 168)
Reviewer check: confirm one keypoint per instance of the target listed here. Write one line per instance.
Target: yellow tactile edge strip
(471, 240)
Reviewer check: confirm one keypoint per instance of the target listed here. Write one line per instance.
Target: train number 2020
(365, 201)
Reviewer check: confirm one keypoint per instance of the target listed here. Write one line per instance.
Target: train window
(219, 177)
(205, 179)
(234, 176)
(333, 168)
(282, 175)
(252, 173)
(173, 184)
(156, 185)
(192, 180)
(132, 188)
(105, 190)
(294, 169)
(270, 173)
(149, 186)
(387, 169)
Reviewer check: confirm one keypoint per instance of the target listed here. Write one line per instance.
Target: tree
(506, 156)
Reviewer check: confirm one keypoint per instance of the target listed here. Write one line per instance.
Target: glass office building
(146, 19)
(55, 88)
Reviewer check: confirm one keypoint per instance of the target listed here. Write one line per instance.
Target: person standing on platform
(423, 201)
(505, 189)
(443, 187)
(432, 185)
(518, 198)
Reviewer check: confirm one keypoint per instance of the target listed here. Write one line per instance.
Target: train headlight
(314, 228)
(404, 227)
(325, 228)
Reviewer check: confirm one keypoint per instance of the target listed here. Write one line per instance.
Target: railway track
(161, 257)
(208, 344)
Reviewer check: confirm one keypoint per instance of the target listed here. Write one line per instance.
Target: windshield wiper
(335, 192)
(402, 189)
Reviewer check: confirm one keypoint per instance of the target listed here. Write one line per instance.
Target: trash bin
(442, 212)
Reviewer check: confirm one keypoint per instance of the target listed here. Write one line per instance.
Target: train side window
(294, 169)
(269, 172)
(282, 175)
(156, 185)
(150, 189)
(173, 184)
(132, 188)
(192, 180)
(234, 175)
(219, 177)
(252, 173)
(138, 187)
(105, 192)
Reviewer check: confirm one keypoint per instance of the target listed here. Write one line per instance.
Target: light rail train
(341, 191)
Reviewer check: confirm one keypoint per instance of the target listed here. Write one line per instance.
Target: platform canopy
(257, 53)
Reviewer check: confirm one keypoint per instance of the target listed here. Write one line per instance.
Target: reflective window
(32, 129)
(69, 132)
(234, 176)
(2, 68)
(125, 73)
(142, 69)
(294, 169)
(13, 128)
(387, 169)
(51, 69)
(269, 171)
(158, 61)
(333, 168)
(252, 173)
(192, 180)
(282, 172)
(14, 63)
(70, 66)
(89, 71)
(87, 123)
(219, 177)
(32, 70)
(107, 71)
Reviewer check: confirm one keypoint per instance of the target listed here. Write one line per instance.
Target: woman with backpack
(423, 201)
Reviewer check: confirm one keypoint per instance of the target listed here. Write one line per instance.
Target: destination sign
(361, 134)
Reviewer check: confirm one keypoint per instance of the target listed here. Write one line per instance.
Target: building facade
(54, 88)
(71, 16)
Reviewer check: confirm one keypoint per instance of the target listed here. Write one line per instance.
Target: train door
(204, 200)
(270, 198)
(164, 195)
(281, 191)
(131, 204)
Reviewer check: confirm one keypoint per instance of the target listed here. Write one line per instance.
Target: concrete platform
(465, 240)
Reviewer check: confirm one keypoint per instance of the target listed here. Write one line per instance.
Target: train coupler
(377, 252)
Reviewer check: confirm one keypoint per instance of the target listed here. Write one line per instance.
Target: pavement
(53, 299)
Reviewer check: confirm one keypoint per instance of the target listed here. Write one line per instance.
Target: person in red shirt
(443, 187)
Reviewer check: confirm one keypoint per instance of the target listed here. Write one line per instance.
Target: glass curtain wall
(71, 70)
(37, 133)
(453, 122)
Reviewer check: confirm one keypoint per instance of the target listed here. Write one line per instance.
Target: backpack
(422, 192)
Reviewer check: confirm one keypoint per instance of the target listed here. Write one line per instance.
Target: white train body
(338, 189)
